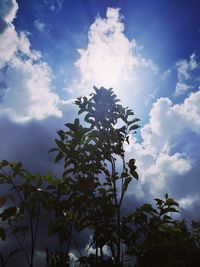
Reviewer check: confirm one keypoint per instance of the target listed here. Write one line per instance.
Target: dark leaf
(126, 183)
(58, 157)
(7, 213)
(2, 200)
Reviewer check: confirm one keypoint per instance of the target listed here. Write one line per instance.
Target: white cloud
(40, 26)
(110, 58)
(28, 95)
(8, 35)
(167, 121)
(165, 166)
(166, 74)
(8, 45)
(159, 160)
(189, 112)
(185, 66)
(184, 70)
(181, 88)
(188, 201)
(27, 79)
(8, 10)
(73, 259)
(89, 249)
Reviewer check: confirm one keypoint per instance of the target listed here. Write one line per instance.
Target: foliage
(90, 152)
(157, 239)
(57, 259)
(21, 206)
(89, 196)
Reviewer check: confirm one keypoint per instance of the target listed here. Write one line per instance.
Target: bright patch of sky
(53, 51)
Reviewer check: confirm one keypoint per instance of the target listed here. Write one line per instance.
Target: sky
(52, 51)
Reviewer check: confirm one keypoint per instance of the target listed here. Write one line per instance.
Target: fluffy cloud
(8, 11)
(8, 35)
(25, 78)
(184, 69)
(110, 59)
(162, 155)
(168, 121)
(185, 66)
(189, 112)
(188, 201)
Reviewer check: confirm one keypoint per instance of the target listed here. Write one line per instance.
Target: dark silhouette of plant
(95, 168)
(90, 261)
(156, 239)
(89, 196)
(57, 258)
(22, 206)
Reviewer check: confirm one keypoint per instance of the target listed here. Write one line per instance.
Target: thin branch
(20, 244)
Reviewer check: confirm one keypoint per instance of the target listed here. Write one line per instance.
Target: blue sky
(54, 51)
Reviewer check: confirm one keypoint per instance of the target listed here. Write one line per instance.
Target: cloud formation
(185, 67)
(163, 155)
(110, 58)
(40, 26)
(25, 79)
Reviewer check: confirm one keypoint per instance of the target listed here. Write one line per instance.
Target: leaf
(2, 234)
(6, 214)
(134, 127)
(132, 121)
(58, 157)
(135, 175)
(53, 149)
(171, 202)
(132, 167)
(60, 144)
(127, 139)
(2, 200)
(129, 112)
(131, 163)
(4, 163)
(87, 117)
(148, 208)
(159, 201)
(80, 111)
(61, 133)
(126, 183)
(18, 166)
(68, 171)
(124, 174)
(164, 211)
(175, 230)
(167, 218)
(71, 126)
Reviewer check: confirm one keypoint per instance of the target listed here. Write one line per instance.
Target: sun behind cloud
(110, 58)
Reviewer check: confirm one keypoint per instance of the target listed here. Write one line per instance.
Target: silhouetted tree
(89, 196)
(96, 171)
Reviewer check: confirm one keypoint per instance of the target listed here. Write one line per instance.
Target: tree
(156, 239)
(89, 196)
(96, 171)
(21, 207)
